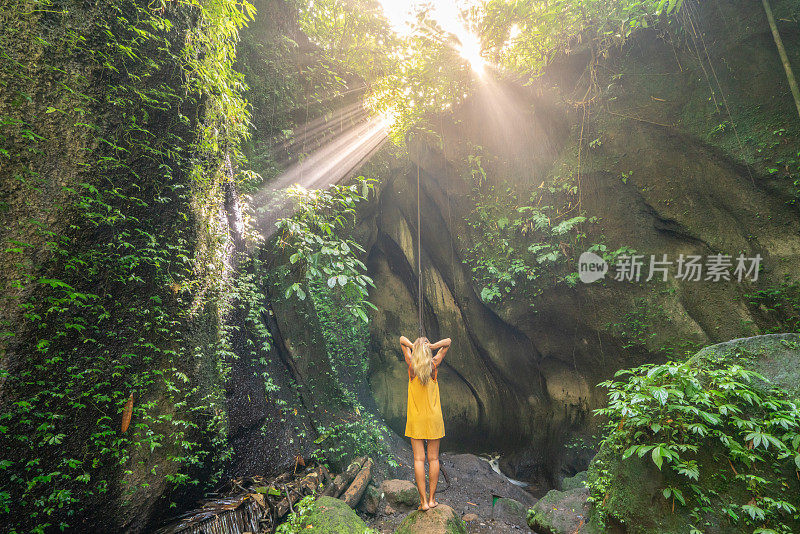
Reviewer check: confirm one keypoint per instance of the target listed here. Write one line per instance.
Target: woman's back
(424, 415)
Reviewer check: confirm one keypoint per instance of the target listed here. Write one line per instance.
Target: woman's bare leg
(418, 447)
(433, 469)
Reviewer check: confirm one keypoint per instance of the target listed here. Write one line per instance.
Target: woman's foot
(423, 507)
(432, 504)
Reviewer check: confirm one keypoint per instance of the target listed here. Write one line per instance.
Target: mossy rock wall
(114, 225)
(634, 502)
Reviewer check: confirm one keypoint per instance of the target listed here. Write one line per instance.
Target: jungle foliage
(727, 444)
(110, 303)
(429, 75)
(325, 268)
(108, 307)
(321, 251)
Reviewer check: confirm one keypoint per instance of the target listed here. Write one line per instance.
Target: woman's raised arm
(443, 346)
(441, 343)
(406, 346)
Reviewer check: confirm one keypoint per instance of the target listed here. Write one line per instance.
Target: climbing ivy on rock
(522, 238)
(108, 305)
(727, 444)
(324, 266)
(524, 243)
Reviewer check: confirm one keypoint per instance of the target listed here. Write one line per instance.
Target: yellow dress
(424, 416)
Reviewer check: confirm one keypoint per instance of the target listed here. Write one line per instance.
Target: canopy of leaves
(525, 36)
(421, 72)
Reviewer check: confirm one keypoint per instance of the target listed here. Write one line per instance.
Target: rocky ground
(485, 500)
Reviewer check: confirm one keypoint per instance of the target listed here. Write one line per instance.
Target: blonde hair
(422, 360)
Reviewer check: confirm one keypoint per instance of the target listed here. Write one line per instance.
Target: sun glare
(471, 51)
(447, 14)
(388, 117)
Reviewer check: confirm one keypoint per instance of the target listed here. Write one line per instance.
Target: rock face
(661, 179)
(439, 520)
(332, 516)
(509, 511)
(100, 217)
(121, 230)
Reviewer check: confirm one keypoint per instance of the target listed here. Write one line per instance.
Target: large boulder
(562, 512)
(633, 494)
(332, 516)
(439, 520)
(574, 482)
(509, 511)
(400, 494)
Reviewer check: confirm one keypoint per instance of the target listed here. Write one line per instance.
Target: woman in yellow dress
(424, 416)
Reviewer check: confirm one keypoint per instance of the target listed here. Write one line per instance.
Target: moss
(575, 482)
(439, 520)
(332, 516)
(113, 135)
(408, 497)
(773, 356)
(455, 526)
(561, 512)
(632, 498)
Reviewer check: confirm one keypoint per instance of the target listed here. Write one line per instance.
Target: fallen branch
(295, 491)
(343, 480)
(257, 503)
(359, 485)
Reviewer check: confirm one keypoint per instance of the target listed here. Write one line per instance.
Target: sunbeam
(339, 144)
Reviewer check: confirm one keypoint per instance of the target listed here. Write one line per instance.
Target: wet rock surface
(509, 511)
(473, 493)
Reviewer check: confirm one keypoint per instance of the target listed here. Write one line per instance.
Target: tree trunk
(784, 58)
